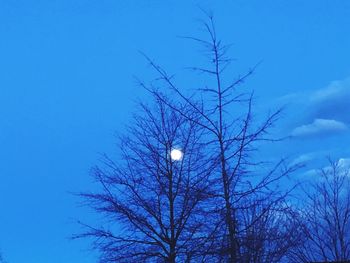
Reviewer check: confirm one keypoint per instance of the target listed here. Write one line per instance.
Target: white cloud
(307, 157)
(302, 158)
(296, 97)
(343, 164)
(319, 126)
(311, 173)
(331, 102)
(336, 90)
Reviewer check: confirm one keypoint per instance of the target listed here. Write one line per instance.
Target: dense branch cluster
(326, 217)
(156, 200)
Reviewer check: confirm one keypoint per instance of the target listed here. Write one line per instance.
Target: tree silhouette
(219, 203)
(226, 114)
(326, 217)
(154, 203)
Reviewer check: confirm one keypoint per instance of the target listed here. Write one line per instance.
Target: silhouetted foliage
(219, 203)
(326, 217)
(154, 203)
(242, 183)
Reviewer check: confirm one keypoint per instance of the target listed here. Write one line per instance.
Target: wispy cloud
(307, 157)
(325, 111)
(332, 102)
(343, 165)
(319, 126)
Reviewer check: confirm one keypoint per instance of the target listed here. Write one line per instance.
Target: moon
(176, 154)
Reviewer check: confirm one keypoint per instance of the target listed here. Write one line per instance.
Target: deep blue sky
(66, 85)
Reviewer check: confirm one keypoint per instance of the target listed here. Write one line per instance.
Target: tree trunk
(229, 220)
(172, 244)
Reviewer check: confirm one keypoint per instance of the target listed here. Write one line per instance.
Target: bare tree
(154, 202)
(268, 231)
(218, 202)
(232, 134)
(326, 217)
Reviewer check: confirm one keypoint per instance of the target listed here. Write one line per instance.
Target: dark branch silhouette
(233, 136)
(326, 217)
(219, 203)
(154, 203)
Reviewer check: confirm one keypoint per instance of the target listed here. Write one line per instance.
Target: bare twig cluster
(326, 217)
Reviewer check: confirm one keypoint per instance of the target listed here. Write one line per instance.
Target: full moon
(176, 154)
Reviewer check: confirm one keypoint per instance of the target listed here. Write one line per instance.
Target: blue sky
(66, 86)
